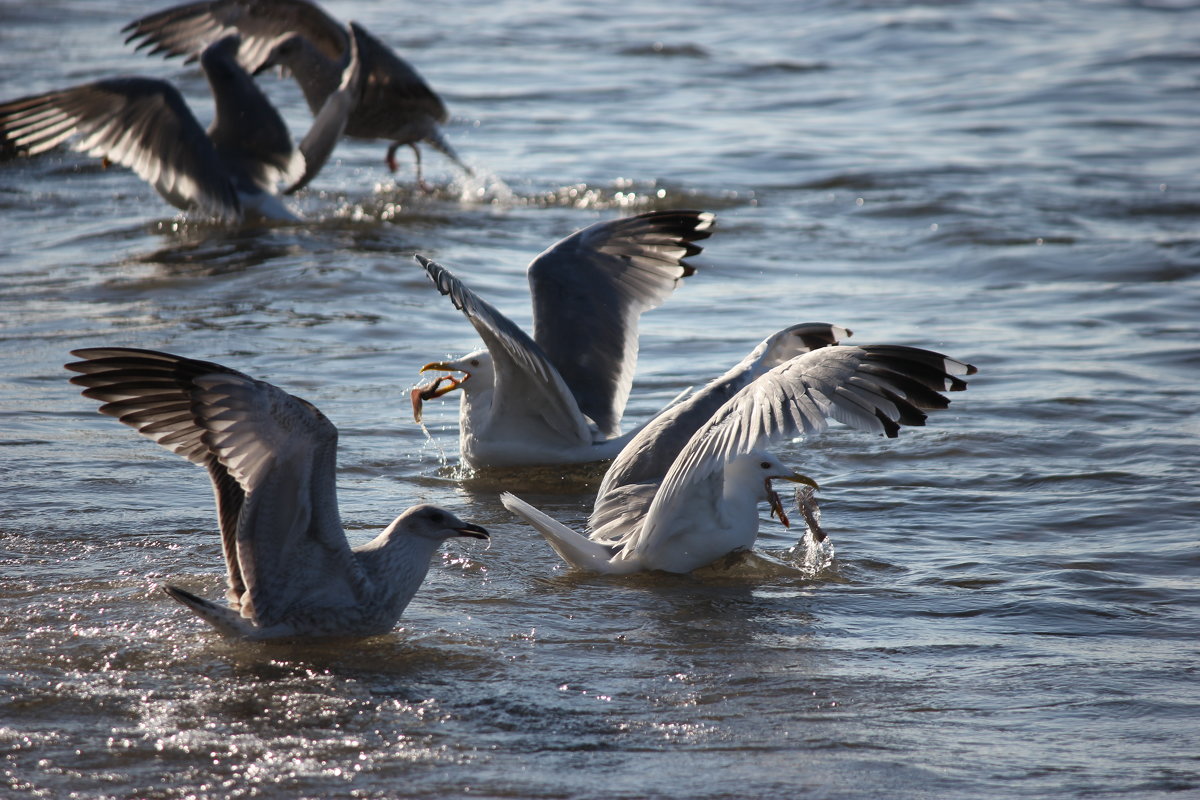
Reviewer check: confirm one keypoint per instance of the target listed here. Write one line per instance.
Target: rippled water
(1012, 610)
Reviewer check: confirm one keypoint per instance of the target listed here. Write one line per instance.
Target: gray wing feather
(140, 123)
(330, 122)
(187, 29)
(526, 381)
(395, 102)
(272, 459)
(151, 392)
(598, 281)
(651, 452)
(248, 133)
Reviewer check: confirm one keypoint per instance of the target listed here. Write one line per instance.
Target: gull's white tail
(576, 549)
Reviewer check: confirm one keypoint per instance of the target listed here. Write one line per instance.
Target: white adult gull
(558, 397)
(229, 172)
(272, 460)
(705, 505)
(394, 102)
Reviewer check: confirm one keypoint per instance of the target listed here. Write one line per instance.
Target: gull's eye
(765, 465)
(437, 517)
(474, 362)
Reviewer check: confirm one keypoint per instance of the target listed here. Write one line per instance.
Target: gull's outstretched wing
(526, 383)
(873, 387)
(588, 291)
(395, 101)
(149, 391)
(250, 136)
(140, 123)
(272, 459)
(185, 30)
(330, 122)
(651, 452)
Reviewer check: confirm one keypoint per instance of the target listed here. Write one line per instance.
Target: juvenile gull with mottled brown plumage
(272, 460)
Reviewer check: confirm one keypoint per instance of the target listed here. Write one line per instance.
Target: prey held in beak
(435, 388)
(777, 504)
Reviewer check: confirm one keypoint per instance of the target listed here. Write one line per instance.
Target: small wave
(668, 50)
(786, 67)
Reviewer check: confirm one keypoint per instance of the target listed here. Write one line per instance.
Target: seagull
(394, 102)
(228, 173)
(650, 453)
(705, 505)
(557, 397)
(272, 458)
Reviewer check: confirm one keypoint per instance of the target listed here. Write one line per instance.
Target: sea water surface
(1012, 609)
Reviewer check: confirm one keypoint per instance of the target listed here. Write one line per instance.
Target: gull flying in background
(228, 172)
(392, 103)
(704, 505)
(558, 397)
(272, 460)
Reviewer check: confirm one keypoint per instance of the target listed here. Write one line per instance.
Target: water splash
(815, 550)
(431, 440)
(485, 188)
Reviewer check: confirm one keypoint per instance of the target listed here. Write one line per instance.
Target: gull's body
(393, 102)
(272, 460)
(558, 397)
(704, 505)
(229, 172)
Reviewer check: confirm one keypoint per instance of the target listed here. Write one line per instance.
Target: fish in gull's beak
(435, 389)
(773, 497)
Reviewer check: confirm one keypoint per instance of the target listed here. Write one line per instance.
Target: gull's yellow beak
(777, 504)
(435, 389)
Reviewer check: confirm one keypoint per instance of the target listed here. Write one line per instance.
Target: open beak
(472, 530)
(777, 504)
(436, 389)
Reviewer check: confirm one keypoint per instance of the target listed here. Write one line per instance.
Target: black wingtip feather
(891, 428)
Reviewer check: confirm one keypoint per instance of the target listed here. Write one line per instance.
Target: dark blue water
(1012, 609)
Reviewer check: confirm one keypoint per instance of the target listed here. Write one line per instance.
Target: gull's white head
(478, 373)
(754, 471)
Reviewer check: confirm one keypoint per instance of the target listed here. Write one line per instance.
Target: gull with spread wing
(558, 397)
(392, 103)
(272, 460)
(704, 505)
(228, 172)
